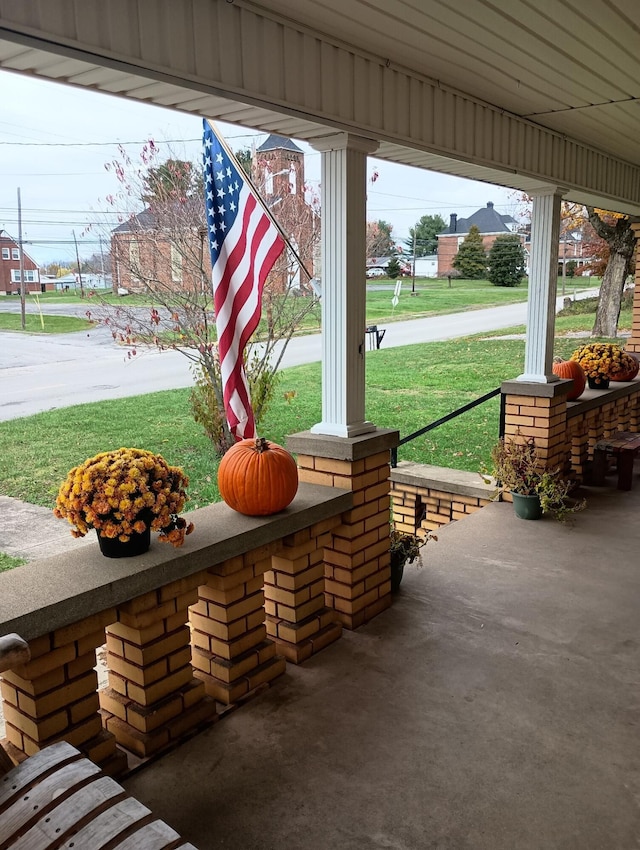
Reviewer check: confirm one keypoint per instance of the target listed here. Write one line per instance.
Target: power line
(111, 144)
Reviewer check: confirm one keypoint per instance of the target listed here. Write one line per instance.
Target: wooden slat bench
(624, 446)
(57, 799)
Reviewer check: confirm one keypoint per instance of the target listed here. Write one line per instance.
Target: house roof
(147, 219)
(275, 142)
(7, 241)
(486, 219)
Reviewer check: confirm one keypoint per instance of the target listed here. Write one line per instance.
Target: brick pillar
(153, 698)
(231, 652)
(55, 696)
(633, 343)
(540, 411)
(297, 617)
(357, 571)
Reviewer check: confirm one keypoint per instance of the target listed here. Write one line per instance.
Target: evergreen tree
(173, 180)
(426, 235)
(393, 268)
(506, 261)
(471, 259)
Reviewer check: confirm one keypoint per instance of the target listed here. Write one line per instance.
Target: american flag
(244, 244)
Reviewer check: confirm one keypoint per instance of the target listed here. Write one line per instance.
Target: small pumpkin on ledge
(571, 370)
(257, 477)
(629, 367)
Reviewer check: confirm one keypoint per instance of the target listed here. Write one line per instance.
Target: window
(134, 258)
(176, 264)
(30, 276)
(15, 253)
(5, 254)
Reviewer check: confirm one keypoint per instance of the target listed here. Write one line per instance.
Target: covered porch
(493, 706)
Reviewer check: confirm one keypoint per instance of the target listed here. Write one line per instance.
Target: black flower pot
(137, 544)
(397, 570)
(598, 383)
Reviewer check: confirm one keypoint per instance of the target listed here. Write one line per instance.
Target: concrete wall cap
(552, 390)
(591, 399)
(343, 448)
(454, 481)
(47, 594)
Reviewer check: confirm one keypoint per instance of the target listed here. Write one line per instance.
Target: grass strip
(406, 388)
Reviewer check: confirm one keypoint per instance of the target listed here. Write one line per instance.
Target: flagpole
(268, 212)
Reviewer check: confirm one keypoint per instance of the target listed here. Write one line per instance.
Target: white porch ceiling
(304, 68)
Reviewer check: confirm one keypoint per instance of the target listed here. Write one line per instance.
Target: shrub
(506, 261)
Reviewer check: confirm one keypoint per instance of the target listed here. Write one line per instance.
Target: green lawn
(7, 562)
(430, 298)
(42, 325)
(406, 389)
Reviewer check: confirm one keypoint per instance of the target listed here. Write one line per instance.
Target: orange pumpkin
(573, 370)
(257, 477)
(631, 368)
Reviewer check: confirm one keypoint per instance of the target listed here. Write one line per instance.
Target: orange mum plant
(124, 492)
(602, 360)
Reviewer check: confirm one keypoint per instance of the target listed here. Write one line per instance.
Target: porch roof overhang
(524, 95)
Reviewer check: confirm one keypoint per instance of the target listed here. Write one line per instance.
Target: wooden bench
(624, 446)
(58, 798)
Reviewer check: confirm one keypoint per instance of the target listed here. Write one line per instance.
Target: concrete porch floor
(495, 705)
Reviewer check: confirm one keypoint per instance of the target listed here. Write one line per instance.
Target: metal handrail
(449, 417)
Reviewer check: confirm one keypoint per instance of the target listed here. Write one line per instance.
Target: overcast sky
(55, 141)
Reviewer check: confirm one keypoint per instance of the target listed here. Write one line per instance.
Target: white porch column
(543, 283)
(344, 163)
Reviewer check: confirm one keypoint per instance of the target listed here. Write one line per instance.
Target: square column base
(299, 641)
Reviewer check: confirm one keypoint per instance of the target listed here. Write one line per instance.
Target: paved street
(40, 373)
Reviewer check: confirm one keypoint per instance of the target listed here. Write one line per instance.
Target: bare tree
(161, 252)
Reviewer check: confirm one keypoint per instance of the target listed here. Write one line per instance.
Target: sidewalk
(31, 532)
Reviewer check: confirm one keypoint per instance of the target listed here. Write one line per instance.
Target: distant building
(10, 268)
(167, 247)
(159, 249)
(489, 222)
(427, 266)
(72, 281)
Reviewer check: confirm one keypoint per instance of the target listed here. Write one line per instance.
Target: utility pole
(564, 261)
(23, 312)
(101, 261)
(78, 262)
(413, 282)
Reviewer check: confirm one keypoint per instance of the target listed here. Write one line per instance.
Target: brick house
(165, 246)
(161, 247)
(489, 222)
(10, 268)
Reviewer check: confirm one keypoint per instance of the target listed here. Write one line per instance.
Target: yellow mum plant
(122, 492)
(602, 360)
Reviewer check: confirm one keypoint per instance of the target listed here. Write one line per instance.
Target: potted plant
(602, 362)
(125, 495)
(518, 470)
(404, 548)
